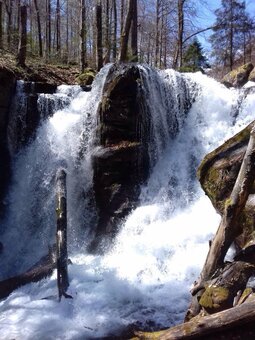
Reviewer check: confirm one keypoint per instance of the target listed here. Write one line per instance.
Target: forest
(161, 33)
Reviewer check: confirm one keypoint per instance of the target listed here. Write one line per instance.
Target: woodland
(161, 33)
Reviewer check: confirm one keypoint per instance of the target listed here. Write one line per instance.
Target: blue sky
(207, 18)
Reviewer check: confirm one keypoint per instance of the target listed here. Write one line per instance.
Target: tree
(83, 61)
(1, 25)
(22, 49)
(231, 20)
(39, 28)
(99, 36)
(194, 58)
(131, 17)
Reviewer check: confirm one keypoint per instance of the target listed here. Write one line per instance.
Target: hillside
(36, 70)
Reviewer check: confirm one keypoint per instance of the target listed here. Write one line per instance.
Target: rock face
(239, 77)
(7, 86)
(121, 164)
(217, 175)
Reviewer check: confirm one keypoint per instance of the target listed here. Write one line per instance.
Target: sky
(207, 18)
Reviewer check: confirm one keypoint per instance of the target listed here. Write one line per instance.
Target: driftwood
(39, 271)
(61, 235)
(229, 227)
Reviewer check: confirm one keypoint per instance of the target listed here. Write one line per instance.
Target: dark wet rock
(121, 164)
(7, 86)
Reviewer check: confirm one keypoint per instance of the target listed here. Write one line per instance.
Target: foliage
(194, 58)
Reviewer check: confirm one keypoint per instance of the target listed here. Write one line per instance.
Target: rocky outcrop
(121, 164)
(7, 86)
(238, 77)
(217, 175)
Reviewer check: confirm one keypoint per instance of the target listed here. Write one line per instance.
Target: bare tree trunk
(58, 27)
(67, 30)
(62, 258)
(134, 47)
(125, 33)
(178, 55)
(1, 25)
(22, 49)
(48, 30)
(121, 16)
(83, 61)
(157, 33)
(9, 9)
(231, 37)
(99, 37)
(39, 28)
(115, 25)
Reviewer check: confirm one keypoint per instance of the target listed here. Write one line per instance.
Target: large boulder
(217, 175)
(121, 164)
(238, 77)
(7, 87)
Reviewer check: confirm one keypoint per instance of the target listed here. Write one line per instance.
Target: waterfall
(29, 222)
(144, 280)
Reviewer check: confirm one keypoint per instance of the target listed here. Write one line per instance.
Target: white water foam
(145, 279)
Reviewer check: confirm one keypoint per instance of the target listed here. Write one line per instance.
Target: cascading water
(145, 279)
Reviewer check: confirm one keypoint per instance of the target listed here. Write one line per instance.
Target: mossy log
(61, 235)
(207, 325)
(229, 227)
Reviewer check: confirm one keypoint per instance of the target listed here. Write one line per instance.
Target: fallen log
(207, 325)
(61, 235)
(39, 271)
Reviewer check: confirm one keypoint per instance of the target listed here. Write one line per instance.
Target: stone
(121, 164)
(7, 87)
(238, 77)
(252, 75)
(217, 174)
(87, 77)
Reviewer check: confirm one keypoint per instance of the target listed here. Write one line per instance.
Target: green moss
(214, 297)
(87, 77)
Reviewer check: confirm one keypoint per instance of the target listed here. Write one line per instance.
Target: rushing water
(145, 279)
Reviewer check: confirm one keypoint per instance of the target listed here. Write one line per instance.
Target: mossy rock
(87, 77)
(217, 174)
(238, 77)
(215, 299)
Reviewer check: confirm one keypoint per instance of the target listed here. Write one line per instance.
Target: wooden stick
(61, 235)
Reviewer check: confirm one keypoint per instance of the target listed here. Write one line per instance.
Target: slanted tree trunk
(229, 227)
(62, 258)
(39, 271)
(99, 37)
(22, 49)
(39, 28)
